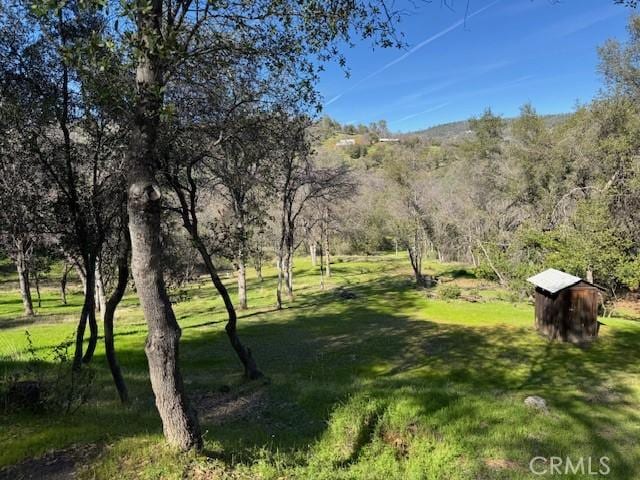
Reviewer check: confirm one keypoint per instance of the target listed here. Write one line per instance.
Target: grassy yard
(392, 384)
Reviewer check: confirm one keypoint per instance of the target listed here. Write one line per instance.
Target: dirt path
(55, 465)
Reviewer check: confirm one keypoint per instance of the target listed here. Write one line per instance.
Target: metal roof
(553, 280)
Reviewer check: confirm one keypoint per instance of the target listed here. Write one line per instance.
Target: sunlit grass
(391, 384)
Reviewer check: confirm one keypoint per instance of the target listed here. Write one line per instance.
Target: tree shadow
(8, 323)
(321, 351)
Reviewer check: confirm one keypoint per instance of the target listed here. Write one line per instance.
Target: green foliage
(590, 243)
(448, 291)
(619, 62)
(488, 130)
(356, 151)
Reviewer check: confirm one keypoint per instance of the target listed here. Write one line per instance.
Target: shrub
(511, 296)
(448, 291)
(45, 383)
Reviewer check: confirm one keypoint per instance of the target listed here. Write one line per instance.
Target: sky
(503, 54)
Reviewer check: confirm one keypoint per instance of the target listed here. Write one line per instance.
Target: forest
(203, 276)
(508, 196)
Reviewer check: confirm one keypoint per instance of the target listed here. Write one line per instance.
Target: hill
(454, 131)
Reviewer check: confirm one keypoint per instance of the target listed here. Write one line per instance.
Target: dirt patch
(629, 305)
(55, 465)
(604, 395)
(501, 464)
(218, 408)
(400, 441)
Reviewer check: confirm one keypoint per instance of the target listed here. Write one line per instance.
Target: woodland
(202, 276)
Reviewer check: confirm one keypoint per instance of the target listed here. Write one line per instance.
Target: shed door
(583, 313)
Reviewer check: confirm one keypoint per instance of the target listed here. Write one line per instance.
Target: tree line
(512, 198)
(123, 121)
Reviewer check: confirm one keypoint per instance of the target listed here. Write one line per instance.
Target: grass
(391, 384)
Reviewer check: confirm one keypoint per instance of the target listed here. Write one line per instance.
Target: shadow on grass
(8, 323)
(454, 272)
(322, 351)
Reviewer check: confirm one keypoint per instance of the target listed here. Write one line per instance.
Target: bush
(356, 151)
(448, 291)
(511, 296)
(38, 383)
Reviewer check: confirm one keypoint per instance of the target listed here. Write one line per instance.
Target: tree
(182, 171)
(18, 199)
(408, 190)
(68, 133)
(299, 180)
(619, 62)
(119, 252)
(20, 194)
(241, 168)
(536, 173)
(161, 37)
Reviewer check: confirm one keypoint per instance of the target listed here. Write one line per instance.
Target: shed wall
(569, 315)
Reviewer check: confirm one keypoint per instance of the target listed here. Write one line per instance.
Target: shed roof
(553, 280)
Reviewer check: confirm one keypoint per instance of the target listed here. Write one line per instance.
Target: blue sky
(508, 53)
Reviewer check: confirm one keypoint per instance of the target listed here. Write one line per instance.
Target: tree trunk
(101, 299)
(321, 269)
(82, 277)
(36, 278)
(501, 279)
(242, 284)
(327, 255)
(473, 257)
(63, 283)
(416, 265)
(280, 280)
(85, 315)
(23, 277)
(325, 239)
(289, 276)
(251, 370)
(313, 251)
(179, 419)
(415, 256)
(258, 268)
(108, 316)
(93, 324)
(93, 334)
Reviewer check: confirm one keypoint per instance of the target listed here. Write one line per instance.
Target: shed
(566, 306)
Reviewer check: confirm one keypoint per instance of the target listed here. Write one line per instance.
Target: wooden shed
(566, 306)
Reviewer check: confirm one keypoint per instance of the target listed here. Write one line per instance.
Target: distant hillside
(454, 131)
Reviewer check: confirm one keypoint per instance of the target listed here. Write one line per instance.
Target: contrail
(413, 50)
(428, 110)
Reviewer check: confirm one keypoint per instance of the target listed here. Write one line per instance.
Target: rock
(534, 401)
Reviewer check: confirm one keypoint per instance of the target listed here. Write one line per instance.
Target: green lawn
(391, 384)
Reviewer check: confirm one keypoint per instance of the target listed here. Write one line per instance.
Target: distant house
(345, 142)
(389, 140)
(566, 306)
